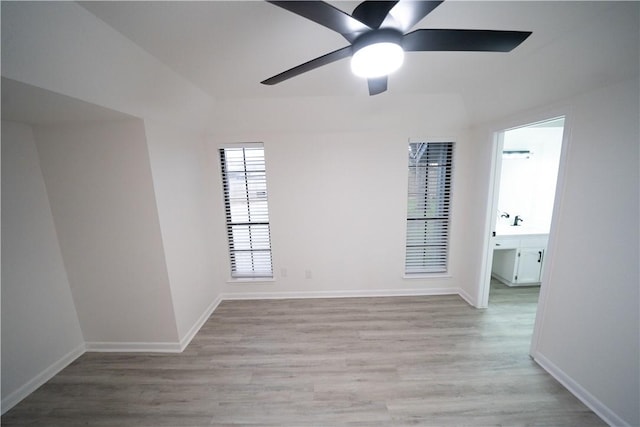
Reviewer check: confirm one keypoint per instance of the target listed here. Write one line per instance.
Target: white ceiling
(227, 48)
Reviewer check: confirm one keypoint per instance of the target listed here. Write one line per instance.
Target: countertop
(520, 230)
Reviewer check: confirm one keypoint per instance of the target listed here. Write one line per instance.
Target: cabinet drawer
(534, 242)
(506, 243)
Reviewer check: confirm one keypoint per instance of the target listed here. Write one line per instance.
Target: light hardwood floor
(398, 361)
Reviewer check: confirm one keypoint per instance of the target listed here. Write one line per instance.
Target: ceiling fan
(377, 33)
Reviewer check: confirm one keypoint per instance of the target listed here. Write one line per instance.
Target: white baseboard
(340, 294)
(32, 385)
(133, 347)
(465, 296)
(155, 347)
(184, 342)
(602, 410)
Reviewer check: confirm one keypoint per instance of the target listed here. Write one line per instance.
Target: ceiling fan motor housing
(384, 35)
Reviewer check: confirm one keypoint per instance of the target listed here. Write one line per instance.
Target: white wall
(184, 182)
(588, 326)
(101, 193)
(337, 204)
(477, 225)
(40, 328)
(62, 47)
(589, 329)
(528, 185)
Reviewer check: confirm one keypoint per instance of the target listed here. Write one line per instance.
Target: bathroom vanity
(518, 256)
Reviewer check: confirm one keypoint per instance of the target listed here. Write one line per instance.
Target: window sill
(427, 276)
(251, 280)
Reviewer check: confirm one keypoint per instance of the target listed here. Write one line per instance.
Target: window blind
(247, 213)
(428, 210)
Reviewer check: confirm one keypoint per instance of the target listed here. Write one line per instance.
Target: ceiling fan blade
(373, 13)
(408, 13)
(326, 15)
(463, 40)
(377, 85)
(330, 57)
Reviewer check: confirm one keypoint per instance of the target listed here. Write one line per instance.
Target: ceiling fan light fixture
(377, 60)
(376, 33)
(377, 53)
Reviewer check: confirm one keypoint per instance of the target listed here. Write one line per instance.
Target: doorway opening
(526, 166)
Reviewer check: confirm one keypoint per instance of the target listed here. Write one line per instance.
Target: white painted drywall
(528, 185)
(589, 328)
(101, 193)
(346, 114)
(337, 204)
(590, 325)
(39, 322)
(62, 47)
(184, 182)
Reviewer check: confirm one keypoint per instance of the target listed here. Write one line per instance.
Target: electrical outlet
(307, 274)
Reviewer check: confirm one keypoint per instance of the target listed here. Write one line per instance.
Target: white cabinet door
(504, 265)
(529, 265)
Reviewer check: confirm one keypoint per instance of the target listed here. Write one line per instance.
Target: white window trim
(252, 280)
(447, 272)
(409, 276)
(242, 279)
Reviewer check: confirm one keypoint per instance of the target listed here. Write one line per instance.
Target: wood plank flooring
(401, 361)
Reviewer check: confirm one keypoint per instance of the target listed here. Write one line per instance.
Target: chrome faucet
(517, 220)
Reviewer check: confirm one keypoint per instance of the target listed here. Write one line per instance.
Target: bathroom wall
(528, 184)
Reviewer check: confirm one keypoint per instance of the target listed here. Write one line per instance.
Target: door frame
(497, 135)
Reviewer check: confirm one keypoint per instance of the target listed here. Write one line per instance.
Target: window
(245, 197)
(430, 168)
